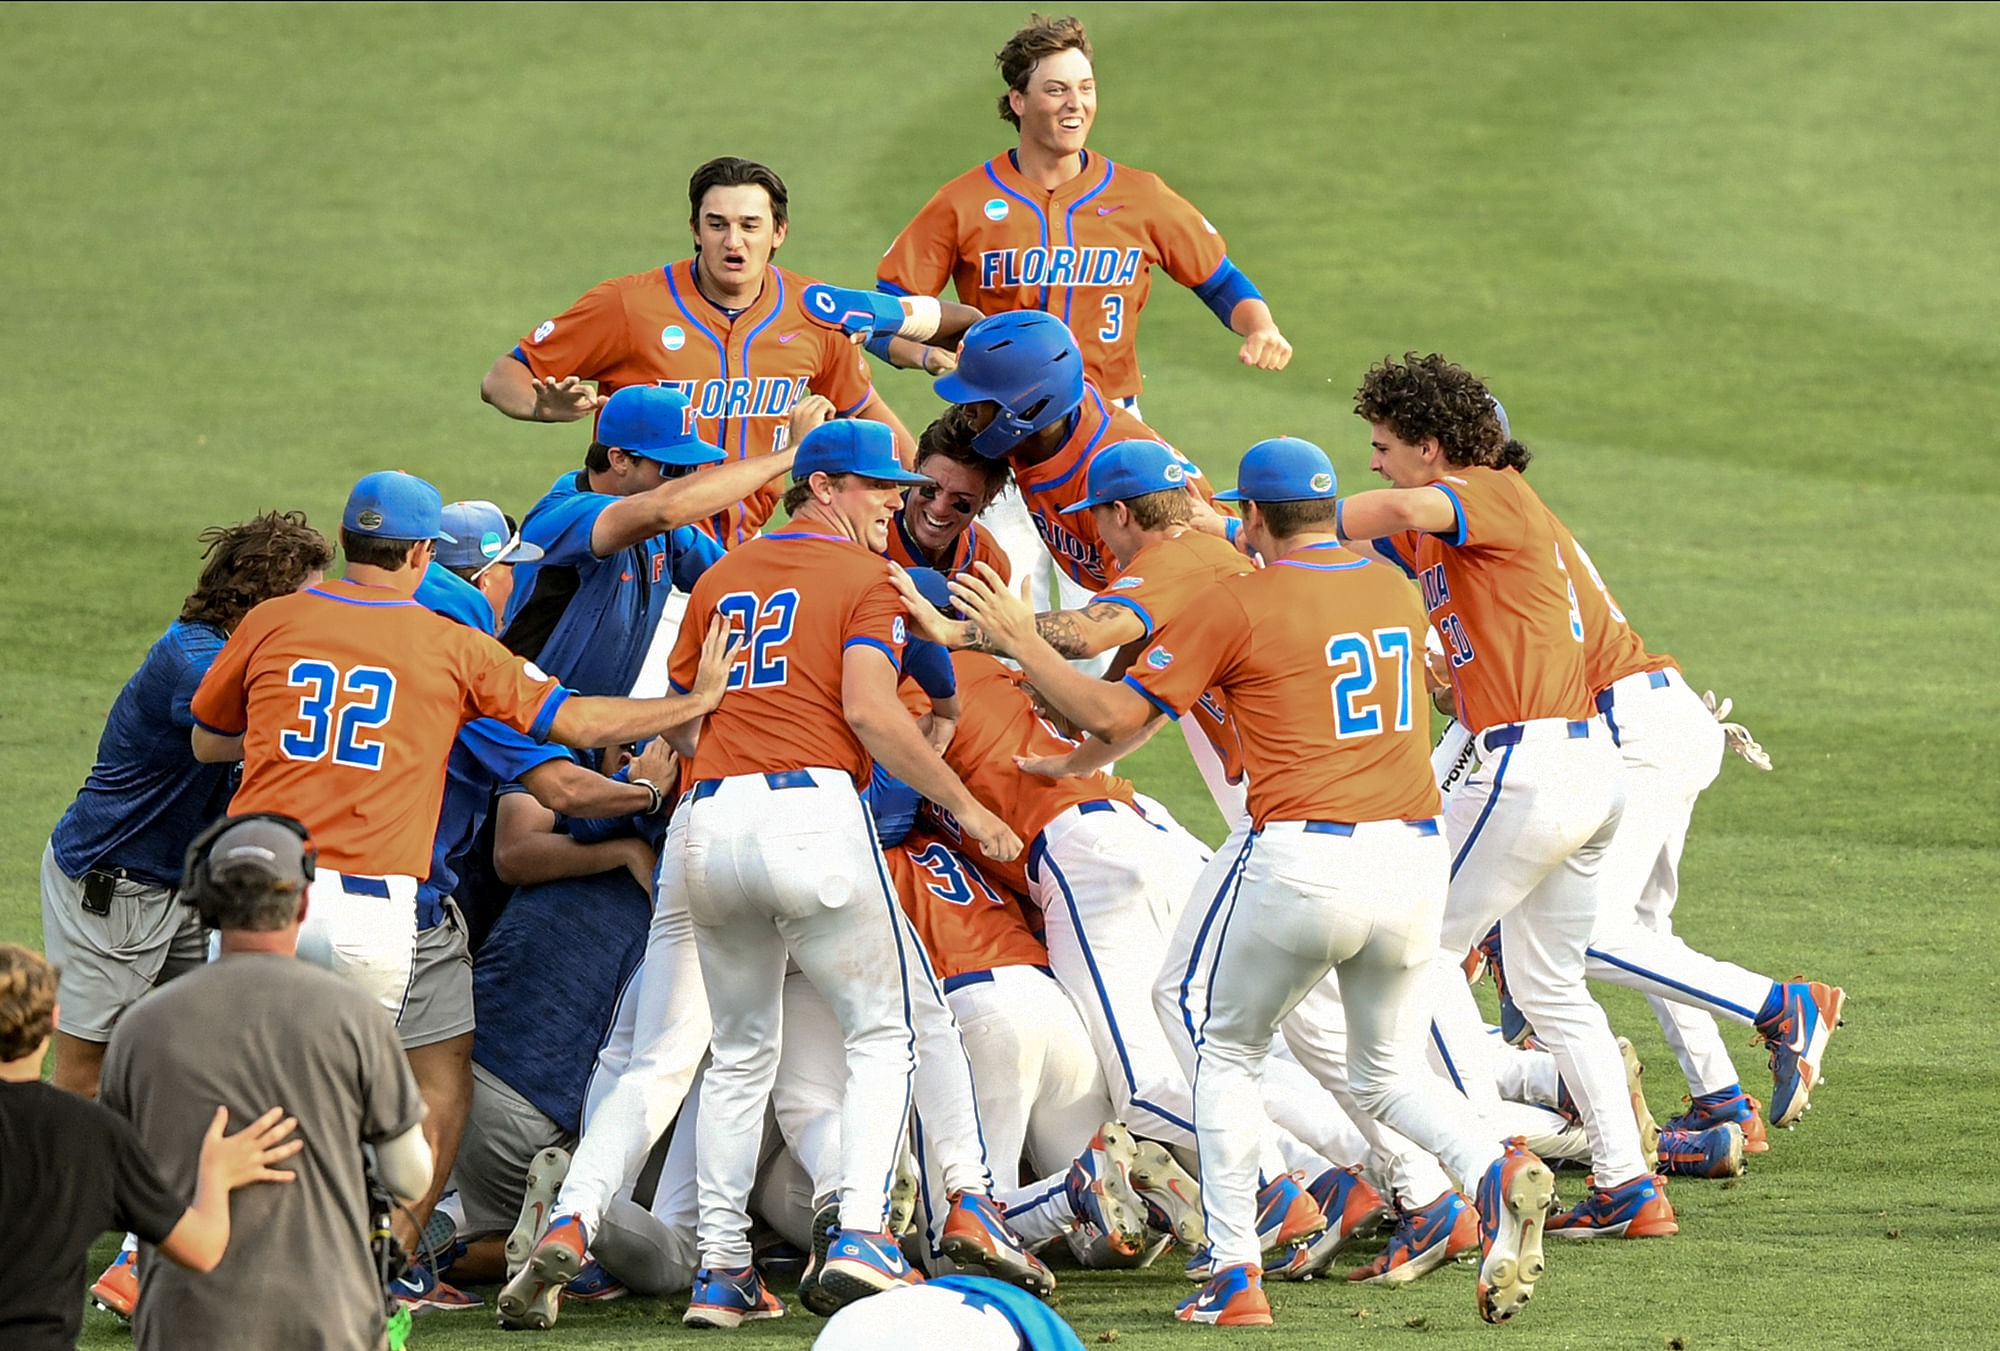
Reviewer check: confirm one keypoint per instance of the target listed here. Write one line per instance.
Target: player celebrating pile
(1345, 870)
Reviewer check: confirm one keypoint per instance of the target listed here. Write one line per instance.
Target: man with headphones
(252, 1028)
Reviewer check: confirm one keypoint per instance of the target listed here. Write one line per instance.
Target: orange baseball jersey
(1164, 578)
(1503, 601)
(967, 921)
(742, 374)
(1085, 253)
(1320, 655)
(348, 704)
(1611, 649)
(1059, 482)
(800, 599)
(975, 545)
(997, 721)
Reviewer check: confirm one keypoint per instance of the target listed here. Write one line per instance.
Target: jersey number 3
(1391, 646)
(766, 625)
(343, 731)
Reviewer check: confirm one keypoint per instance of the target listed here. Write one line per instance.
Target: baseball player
(936, 527)
(1529, 830)
(726, 327)
(1345, 868)
(1052, 226)
(778, 855)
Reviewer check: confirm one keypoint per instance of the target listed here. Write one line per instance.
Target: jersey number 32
(335, 725)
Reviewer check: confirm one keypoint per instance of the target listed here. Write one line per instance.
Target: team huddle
(736, 841)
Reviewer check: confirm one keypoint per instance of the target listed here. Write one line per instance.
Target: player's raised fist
(807, 414)
(998, 843)
(1266, 349)
(566, 400)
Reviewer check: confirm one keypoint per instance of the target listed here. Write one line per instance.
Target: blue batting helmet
(1028, 364)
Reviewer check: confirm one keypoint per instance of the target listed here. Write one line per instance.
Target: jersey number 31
(342, 732)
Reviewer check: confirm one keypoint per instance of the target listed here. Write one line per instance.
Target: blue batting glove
(865, 312)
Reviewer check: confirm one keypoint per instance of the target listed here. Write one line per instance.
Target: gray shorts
(437, 1006)
(503, 1133)
(109, 961)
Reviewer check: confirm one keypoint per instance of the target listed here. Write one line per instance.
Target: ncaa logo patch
(543, 329)
(672, 338)
(897, 633)
(1322, 483)
(534, 672)
(996, 208)
(1159, 659)
(490, 544)
(1127, 583)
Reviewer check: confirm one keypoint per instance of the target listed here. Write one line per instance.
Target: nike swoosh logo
(786, 337)
(1107, 210)
(1206, 1299)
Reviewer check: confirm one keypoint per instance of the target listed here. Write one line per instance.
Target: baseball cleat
(1514, 1200)
(976, 1236)
(1422, 1241)
(825, 1225)
(532, 1297)
(595, 1285)
(420, 1291)
(860, 1265)
(1514, 1025)
(1353, 1210)
(1715, 1152)
(1649, 1129)
(1731, 1107)
(903, 1199)
(545, 1178)
(1232, 1298)
(117, 1290)
(1797, 1037)
(729, 1299)
(1171, 1195)
(1635, 1209)
(1101, 1190)
(1286, 1215)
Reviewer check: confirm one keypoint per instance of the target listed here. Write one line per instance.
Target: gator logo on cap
(370, 519)
(1322, 483)
(1159, 659)
(672, 338)
(1174, 474)
(996, 209)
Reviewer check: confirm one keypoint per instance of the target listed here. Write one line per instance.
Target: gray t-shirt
(251, 1032)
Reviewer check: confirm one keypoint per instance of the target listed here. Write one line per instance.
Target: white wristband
(921, 315)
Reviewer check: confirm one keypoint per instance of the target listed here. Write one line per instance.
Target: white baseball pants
(365, 929)
(788, 863)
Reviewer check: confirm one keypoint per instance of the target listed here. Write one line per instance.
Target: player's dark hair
(1042, 38)
(731, 172)
(1428, 396)
(27, 1000)
(247, 564)
(951, 436)
(598, 458)
(390, 555)
(1514, 456)
(1157, 511)
(246, 898)
(1285, 519)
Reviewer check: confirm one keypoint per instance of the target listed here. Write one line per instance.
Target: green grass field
(1733, 269)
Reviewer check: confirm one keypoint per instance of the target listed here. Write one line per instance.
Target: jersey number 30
(342, 731)
(1353, 650)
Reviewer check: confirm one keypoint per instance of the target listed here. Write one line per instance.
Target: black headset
(196, 884)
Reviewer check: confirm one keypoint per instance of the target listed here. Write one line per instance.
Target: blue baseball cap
(1127, 469)
(1500, 412)
(390, 504)
(655, 421)
(931, 584)
(852, 446)
(1282, 469)
(481, 535)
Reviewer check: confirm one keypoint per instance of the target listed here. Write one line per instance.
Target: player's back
(1612, 649)
(967, 921)
(799, 598)
(1502, 599)
(1320, 656)
(353, 702)
(997, 721)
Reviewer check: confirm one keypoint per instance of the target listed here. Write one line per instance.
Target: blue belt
(1426, 827)
(785, 778)
(1656, 679)
(1103, 804)
(1510, 734)
(364, 886)
(965, 978)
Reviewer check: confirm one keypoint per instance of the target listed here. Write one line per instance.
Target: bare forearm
(566, 787)
(1251, 316)
(893, 738)
(585, 720)
(1074, 634)
(202, 1236)
(510, 388)
(213, 748)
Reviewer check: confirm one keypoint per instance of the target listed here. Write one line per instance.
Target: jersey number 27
(340, 731)
(1389, 654)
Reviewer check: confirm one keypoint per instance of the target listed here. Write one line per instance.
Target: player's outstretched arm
(868, 700)
(526, 397)
(527, 847)
(1099, 626)
(1263, 345)
(1388, 511)
(696, 497)
(585, 721)
(1091, 754)
(228, 1162)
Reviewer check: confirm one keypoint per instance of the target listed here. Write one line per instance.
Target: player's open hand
(566, 400)
(1045, 766)
(807, 414)
(658, 764)
(718, 654)
(995, 840)
(1005, 621)
(247, 1156)
(1266, 349)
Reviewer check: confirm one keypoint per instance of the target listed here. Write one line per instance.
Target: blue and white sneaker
(1635, 1209)
(1286, 1214)
(976, 1236)
(860, 1265)
(595, 1285)
(1353, 1210)
(1422, 1241)
(532, 1297)
(1797, 1036)
(1514, 1200)
(825, 1227)
(728, 1299)
(1232, 1298)
(420, 1291)
(1101, 1191)
(1715, 1152)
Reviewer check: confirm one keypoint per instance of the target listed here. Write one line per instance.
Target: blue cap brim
(443, 538)
(523, 552)
(1231, 495)
(899, 476)
(1085, 505)
(687, 452)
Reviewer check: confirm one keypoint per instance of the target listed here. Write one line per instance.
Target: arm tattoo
(976, 639)
(1061, 630)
